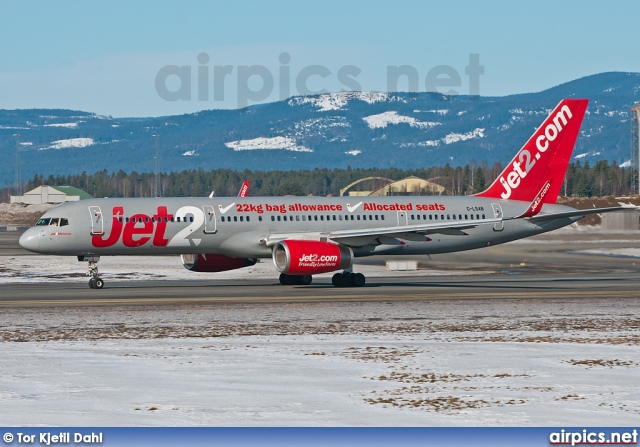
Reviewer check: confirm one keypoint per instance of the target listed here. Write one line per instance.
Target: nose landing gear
(95, 282)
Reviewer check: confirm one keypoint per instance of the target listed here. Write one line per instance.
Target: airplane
(312, 235)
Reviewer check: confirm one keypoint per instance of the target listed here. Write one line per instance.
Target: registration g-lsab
(311, 235)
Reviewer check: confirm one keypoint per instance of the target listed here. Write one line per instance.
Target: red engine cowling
(310, 257)
(214, 262)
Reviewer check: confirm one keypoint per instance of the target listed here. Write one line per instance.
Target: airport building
(406, 186)
(51, 194)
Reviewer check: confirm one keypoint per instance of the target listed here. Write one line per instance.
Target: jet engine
(293, 257)
(214, 262)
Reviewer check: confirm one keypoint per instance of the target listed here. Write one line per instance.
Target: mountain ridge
(333, 130)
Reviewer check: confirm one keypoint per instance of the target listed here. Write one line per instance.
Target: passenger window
(376, 217)
(248, 218)
(478, 216)
(235, 218)
(304, 218)
(278, 218)
(241, 218)
(273, 218)
(436, 217)
(382, 217)
(483, 216)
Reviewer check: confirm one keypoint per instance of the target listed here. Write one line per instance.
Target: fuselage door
(402, 218)
(497, 213)
(209, 219)
(97, 221)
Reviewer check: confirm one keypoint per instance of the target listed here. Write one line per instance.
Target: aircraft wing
(545, 217)
(390, 235)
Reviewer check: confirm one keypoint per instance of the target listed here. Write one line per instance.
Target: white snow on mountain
(67, 125)
(190, 153)
(382, 120)
(581, 155)
(317, 127)
(353, 152)
(455, 137)
(72, 142)
(626, 164)
(336, 101)
(260, 143)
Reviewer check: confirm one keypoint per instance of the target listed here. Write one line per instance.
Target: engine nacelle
(214, 262)
(294, 257)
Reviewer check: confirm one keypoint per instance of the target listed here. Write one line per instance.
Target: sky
(156, 58)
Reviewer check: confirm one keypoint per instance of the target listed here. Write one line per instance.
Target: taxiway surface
(548, 266)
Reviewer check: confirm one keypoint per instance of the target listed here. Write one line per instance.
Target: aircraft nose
(30, 240)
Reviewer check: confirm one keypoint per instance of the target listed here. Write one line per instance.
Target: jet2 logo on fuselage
(141, 228)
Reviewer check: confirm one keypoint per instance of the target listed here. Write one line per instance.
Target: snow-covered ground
(504, 363)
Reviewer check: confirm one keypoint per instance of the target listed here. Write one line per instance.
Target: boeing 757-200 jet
(311, 235)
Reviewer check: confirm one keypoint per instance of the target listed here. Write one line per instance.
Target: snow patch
(455, 137)
(72, 142)
(581, 155)
(382, 120)
(67, 125)
(626, 164)
(262, 143)
(336, 101)
(190, 153)
(353, 152)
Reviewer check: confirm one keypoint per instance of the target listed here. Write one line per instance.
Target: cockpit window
(53, 221)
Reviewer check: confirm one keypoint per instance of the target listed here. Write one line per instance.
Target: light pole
(157, 179)
(18, 179)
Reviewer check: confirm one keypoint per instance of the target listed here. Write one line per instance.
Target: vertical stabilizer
(542, 162)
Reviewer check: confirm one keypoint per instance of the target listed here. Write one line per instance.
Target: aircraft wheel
(305, 280)
(92, 284)
(288, 280)
(357, 280)
(341, 280)
(98, 283)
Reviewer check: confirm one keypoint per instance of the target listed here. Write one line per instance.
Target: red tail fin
(544, 158)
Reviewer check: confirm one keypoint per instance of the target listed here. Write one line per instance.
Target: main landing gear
(344, 279)
(95, 282)
(348, 279)
(295, 280)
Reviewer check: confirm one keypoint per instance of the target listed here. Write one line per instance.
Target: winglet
(544, 158)
(244, 190)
